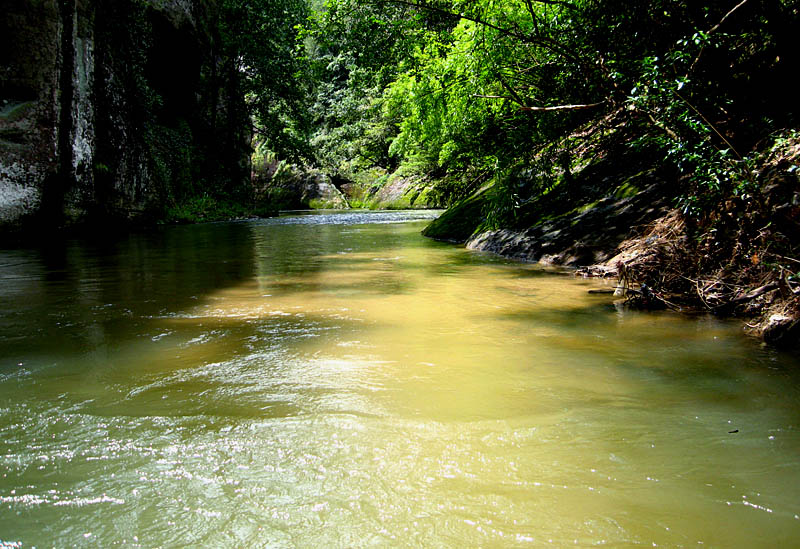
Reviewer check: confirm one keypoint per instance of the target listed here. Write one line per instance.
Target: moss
(584, 208)
(322, 204)
(406, 202)
(424, 199)
(628, 188)
(459, 222)
(357, 204)
(399, 204)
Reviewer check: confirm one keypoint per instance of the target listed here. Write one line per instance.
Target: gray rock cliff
(113, 109)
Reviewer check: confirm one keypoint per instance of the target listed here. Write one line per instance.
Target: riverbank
(738, 259)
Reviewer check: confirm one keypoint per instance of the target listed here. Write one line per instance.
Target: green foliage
(207, 208)
(259, 41)
(692, 106)
(444, 93)
(354, 50)
(171, 150)
(456, 91)
(467, 93)
(280, 198)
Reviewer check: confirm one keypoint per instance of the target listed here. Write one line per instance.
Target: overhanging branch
(563, 107)
(542, 109)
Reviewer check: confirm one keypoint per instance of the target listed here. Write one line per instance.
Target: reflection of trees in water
(300, 253)
(80, 294)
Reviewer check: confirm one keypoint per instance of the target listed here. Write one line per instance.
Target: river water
(337, 380)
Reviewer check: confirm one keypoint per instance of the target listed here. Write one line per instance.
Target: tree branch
(546, 42)
(711, 31)
(558, 3)
(510, 90)
(541, 109)
(724, 17)
(474, 19)
(563, 107)
(710, 125)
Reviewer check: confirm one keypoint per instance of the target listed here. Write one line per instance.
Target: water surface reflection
(341, 381)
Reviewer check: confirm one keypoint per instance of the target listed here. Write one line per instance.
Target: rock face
(318, 190)
(403, 193)
(582, 238)
(110, 109)
(577, 239)
(285, 186)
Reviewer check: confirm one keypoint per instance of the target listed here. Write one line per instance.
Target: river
(337, 380)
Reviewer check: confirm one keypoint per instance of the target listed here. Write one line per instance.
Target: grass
(207, 208)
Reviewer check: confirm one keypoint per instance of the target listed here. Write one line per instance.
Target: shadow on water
(84, 294)
(142, 305)
(699, 358)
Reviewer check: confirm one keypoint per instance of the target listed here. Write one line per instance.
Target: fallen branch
(786, 258)
(755, 293)
(646, 296)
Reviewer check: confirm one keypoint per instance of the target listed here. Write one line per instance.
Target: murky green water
(340, 381)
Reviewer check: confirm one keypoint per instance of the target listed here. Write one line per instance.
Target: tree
(259, 40)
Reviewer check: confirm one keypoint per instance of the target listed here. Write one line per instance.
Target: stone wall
(29, 110)
(113, 109)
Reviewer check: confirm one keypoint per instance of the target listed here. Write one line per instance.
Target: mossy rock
(323, 204)
(459, 222)
(632, 185)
